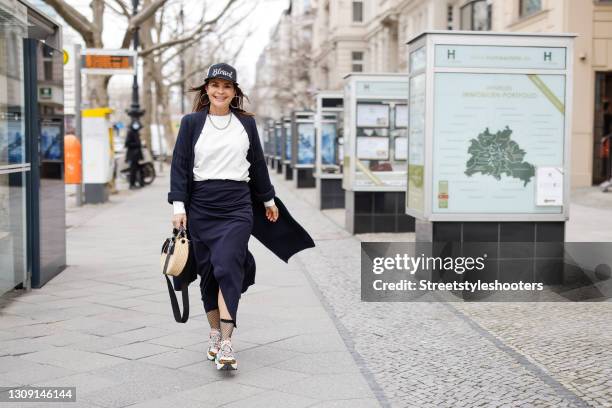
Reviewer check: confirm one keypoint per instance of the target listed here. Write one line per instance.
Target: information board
(372, 115)
(373, 148)
(491, 132)
(401, 116)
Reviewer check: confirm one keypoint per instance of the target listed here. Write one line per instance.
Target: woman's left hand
(272, 213)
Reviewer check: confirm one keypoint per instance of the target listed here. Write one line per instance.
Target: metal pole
(135, 112)
(181, 15)
(77, 114)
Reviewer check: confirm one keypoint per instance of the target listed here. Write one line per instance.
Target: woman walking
(221, 193)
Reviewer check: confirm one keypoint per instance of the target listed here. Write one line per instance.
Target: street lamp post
(135, 112)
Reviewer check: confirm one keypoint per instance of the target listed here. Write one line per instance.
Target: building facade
(282, 77)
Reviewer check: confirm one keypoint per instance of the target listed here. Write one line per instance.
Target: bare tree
(91, 31)
(198, 47)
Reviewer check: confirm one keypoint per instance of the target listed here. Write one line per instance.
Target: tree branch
(189, 38)
(144, 14)
(138, 19)
(74, 19)
(124, 9)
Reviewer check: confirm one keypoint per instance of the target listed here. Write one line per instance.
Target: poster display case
(375, 132)
(489, 117)
(278, 146)
(287, 147)
(268, 140)
(328, 169)
(303, 143)
(375, 152)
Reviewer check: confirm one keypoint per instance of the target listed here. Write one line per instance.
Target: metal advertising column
(328, 169)
(489, 136)
(375, 153)
(303, 152)
(287, 147)
(97, 154)
(269, 141)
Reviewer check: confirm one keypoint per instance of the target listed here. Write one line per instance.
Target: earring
(204, 104)
(239, 102)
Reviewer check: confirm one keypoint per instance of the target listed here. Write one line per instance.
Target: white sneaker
(214, 342)
(225, 358)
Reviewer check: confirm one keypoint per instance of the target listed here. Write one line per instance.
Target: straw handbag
(175, 259)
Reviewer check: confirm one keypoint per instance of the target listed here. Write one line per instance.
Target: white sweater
(221, 154)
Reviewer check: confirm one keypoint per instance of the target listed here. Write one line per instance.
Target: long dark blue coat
(285, 237)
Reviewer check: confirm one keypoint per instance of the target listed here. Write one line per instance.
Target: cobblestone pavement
(456, 354)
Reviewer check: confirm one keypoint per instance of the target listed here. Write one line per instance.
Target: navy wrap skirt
(220, 224)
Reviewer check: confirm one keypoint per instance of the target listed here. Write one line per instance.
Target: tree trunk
(147, 93)
(97, 91)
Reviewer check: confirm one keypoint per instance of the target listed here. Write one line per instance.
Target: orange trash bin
(72, 160)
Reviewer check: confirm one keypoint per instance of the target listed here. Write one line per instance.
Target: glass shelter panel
(13, 160)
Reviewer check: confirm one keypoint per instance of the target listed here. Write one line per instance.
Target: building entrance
(602, 130)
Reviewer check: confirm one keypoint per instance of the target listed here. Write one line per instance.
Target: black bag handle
(175, 307)
(180, 318)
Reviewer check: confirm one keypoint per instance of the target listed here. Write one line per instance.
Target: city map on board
(495, 154)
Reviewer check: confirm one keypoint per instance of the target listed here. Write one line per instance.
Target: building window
(357, 61)
(358, 12)
(528, 7)
(476, 16)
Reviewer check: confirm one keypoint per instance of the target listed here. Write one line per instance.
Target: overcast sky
(263, 19)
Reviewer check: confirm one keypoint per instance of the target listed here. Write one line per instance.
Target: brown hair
(201, 99)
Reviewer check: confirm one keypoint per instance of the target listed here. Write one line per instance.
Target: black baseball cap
(222, 71)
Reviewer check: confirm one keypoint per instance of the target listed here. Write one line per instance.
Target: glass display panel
(328, 144)
(51, 142)
(372, 115)
(305, 143)
(277, 141)
(373, 148)
(13, 223)
(401, 116)
(12, 230)
(400, 148)
(500, 129)
(376, 161)
(416, 144)
(288, 142)
(12, 124)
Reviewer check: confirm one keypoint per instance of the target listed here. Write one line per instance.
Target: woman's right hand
(179, 220)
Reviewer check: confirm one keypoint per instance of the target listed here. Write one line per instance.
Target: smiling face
(220, 92)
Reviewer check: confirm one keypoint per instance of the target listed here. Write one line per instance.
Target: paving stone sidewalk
(105, 326)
